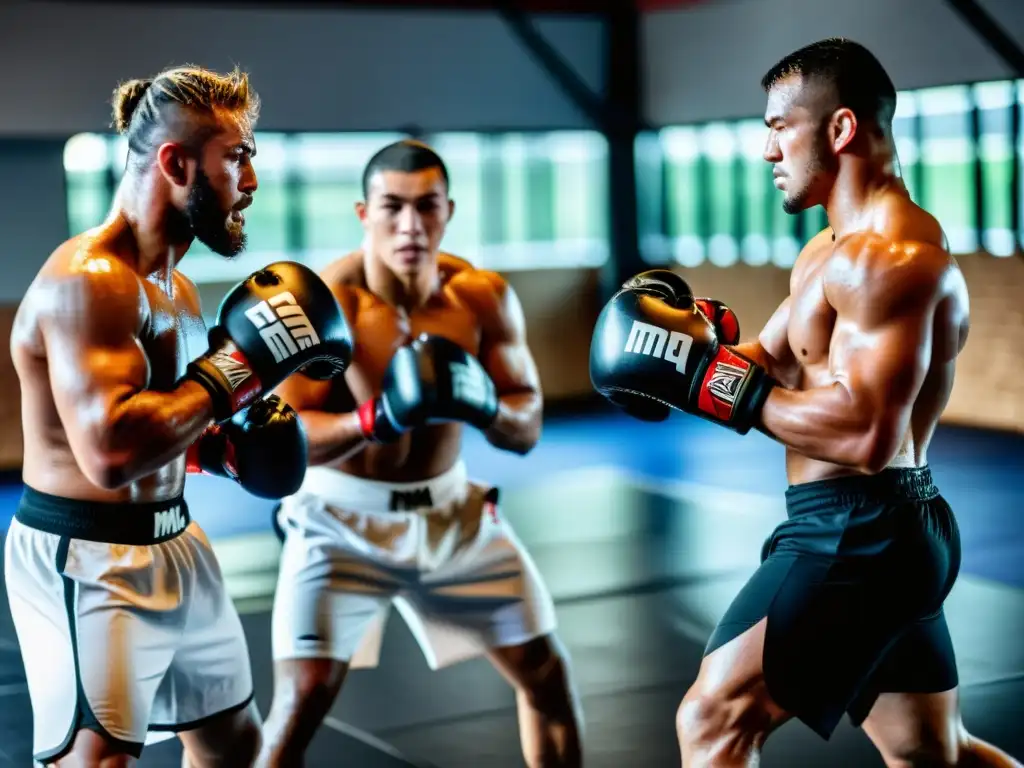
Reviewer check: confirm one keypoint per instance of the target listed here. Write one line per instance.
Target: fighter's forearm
(149, 430)
(518, 424)
(831, 424)
(332, 436)
(754, 351)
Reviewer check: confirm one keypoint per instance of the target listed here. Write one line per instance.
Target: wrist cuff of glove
(375, 424)
(734, 391)
(232, 384)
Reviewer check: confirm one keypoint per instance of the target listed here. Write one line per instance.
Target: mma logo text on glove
(468, 385)
(646, 339)
(285, 331)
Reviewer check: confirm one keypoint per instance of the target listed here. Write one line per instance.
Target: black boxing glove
(262, 448)
(727, 325)
(430, 381)
(279, 320)
(651, 344)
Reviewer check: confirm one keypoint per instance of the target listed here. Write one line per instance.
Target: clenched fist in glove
(277, 321)
(430, 381)
(654, 348)
(262, 448)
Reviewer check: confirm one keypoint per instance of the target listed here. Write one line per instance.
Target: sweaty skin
(476, 309)
(98, 349)
(865, 345)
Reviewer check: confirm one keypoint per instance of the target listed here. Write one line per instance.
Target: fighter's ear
(842, 128)
(172, 161)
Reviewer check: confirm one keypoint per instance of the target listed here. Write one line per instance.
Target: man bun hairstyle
(179, 103)
(126, 98)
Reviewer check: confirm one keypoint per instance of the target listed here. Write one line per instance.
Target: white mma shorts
(439, 550)
(118, 636)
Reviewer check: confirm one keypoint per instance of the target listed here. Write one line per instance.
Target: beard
(821, 163)
(206, 219)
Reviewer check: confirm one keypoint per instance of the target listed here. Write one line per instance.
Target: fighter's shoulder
(888, 270)
(464, 277)
(84, 275)
(345, 277)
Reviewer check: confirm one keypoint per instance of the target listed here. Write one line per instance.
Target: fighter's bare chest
(812, 319)
(173, 336)
(380, 329)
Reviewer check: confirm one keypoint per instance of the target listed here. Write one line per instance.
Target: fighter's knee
(247, 742)
(701, 715)
(309, 685)
(547, 687)
(926, 751)
(709, 721)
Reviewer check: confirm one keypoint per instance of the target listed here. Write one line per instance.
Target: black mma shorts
(852, 585)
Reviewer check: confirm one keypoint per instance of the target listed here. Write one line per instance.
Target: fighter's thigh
(325, 600)
(730, 690)
(911, 701)
(799, 639)
(539, 668)
(491, 591)
(94, 655)
(210, 674)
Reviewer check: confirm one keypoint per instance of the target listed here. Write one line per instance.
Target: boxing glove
(262, 448)
(430, 381)
(727, 325)
(653, 345)
(277, 321)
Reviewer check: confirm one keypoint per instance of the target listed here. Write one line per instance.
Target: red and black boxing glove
(431, 380)
(653, 347)
(262, 448)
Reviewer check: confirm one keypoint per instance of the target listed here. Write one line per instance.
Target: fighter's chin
(410, 261)
(794, 204)
(229, 245)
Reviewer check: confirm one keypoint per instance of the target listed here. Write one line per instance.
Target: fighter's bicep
(505, 354)
(885, 362)
(93, 351)
(512, 368)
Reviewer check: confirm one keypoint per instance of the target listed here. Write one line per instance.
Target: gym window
(522, 200)
(706, 194)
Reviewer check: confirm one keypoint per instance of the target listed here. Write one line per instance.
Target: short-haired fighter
(851, 374)
(388, 513)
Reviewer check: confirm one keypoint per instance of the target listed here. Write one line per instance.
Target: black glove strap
(751, 399)
(208, 377)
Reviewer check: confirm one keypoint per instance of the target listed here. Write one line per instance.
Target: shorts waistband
(358, 493)
(128, 523)
(894, 484)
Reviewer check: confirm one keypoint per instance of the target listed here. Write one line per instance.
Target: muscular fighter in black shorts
(123, 620)
(851, 374)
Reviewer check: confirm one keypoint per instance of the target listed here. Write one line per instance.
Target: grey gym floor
(641, 567)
